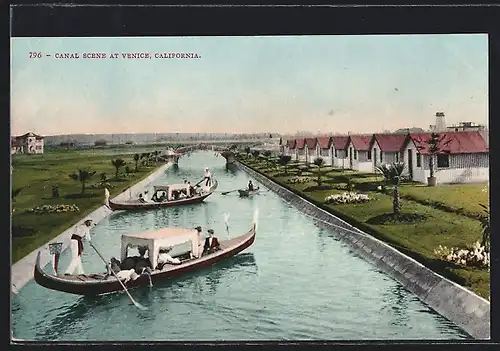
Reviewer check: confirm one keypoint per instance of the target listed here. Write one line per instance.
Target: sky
(283, 84)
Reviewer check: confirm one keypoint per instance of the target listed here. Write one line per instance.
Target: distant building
(29, 143)
(466, 127)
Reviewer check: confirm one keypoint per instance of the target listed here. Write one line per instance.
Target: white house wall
(341, 160)
(326, 155)
(387, 157)
(301, 155)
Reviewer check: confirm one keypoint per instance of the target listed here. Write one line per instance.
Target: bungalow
(310, 149)
(300, 146)
(466, 159)
(15, 146)
(29, 143)
(386, 148)
(290, 148)
(339, 157)
(358, 152)
(324, 149)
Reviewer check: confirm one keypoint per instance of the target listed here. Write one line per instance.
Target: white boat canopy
(160, 239)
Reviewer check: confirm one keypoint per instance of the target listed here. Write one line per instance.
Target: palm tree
(267, 156)
(83, 177)
(136, 159)
(436, 146)
(319, 162)
(392, 174)
(118, 163)
(284, 160)
(485, 226)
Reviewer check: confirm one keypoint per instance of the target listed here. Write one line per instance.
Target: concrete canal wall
(461, 306)
(22, 270)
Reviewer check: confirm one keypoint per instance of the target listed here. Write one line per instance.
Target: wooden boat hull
(91, 286)
(136, 205)
(246, 192)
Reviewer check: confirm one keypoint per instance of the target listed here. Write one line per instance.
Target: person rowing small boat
(250, 190)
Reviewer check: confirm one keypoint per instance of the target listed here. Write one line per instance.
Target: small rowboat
(100, 283)
(246, 192)
(137, 204)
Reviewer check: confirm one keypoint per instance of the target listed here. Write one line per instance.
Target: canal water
(296, 282)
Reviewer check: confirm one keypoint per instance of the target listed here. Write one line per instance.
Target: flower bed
(473, 256)
(299, 180)
(346, 198)
(102, 185)
(54, 209)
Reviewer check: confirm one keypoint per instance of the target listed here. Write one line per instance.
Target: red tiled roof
(340, 142)
(291, 143)
(389, 142)
(300, 143)
(324, 142)
(360, 142)
(311, 143)
(460, 142)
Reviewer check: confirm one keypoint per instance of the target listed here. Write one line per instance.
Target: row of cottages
(467, 159)
(29, 143)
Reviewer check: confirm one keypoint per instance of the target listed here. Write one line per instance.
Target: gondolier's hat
(210, 231)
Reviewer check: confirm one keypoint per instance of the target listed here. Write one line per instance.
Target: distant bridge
(173, 155)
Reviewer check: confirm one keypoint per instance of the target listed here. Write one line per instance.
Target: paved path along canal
(297, 282)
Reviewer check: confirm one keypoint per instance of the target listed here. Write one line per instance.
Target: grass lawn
(418, 239)
(36, 174)
(464, 198)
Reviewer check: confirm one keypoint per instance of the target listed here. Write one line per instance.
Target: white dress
(76, 261)
(166, 258)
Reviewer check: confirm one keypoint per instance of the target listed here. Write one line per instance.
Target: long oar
(226, 218)
(228, 192)
(137, 304)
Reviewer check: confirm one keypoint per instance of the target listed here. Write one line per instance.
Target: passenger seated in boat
(192, 191)
(126, 275)
(137, 262)
(200, 243)
(163, 196)
(164, 258)
(211, 243)
(250, 185)
(114, 264)
(141, 198)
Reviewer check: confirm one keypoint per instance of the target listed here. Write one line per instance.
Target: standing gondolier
(208, 179)
(76, 246)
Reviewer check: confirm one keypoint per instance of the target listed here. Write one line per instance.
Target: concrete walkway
(22, 270)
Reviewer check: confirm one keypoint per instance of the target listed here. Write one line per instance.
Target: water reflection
(203, 281)
(232, 169)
